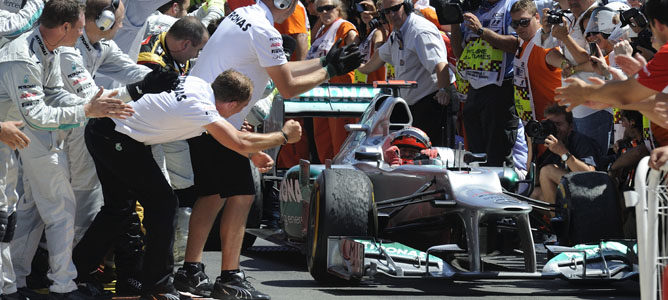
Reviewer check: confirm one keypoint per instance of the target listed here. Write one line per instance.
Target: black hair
(657, 10)
(59, 12)
(188, 28)
(165, 7)
(634, 116)
(556, 109)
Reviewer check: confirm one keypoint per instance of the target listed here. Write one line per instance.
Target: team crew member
(297, 26)
(129, 173)
(96, 53)
(417, 51)
(31, 79)
(18, 17)
(11, 135)
(166, 15)
(11, 138)
(174, 48)
(258, 54)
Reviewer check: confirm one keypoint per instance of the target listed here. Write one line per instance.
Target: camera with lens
(377, 22)
(452, 11)
(539, 131)
(633, 17)
(555, 16)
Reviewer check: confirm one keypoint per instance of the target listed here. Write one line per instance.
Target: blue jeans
(597, 126)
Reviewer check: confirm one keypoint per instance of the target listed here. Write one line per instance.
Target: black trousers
(434, 119)
(491, 122)
(128, 173)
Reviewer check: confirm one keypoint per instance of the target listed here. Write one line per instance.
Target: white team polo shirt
(247, 42)
(414, 52)
(174, 116)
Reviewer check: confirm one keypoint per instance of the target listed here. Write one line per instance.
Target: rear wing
(331, 100)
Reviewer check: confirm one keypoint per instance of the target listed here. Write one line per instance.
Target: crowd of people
(121, 118)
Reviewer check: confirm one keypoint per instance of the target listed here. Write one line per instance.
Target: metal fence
(650, 199)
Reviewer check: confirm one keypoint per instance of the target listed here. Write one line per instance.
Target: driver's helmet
(411, 137)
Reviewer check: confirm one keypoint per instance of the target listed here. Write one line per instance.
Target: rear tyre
(341, 205)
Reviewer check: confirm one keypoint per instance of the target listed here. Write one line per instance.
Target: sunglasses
(521, 22)
(325, 8)
(392, 8)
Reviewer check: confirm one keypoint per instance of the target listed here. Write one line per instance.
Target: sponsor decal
(25, 87)
(85, 43)
(290, 191)
(74, 73)
(83, 87)
(41, 45)
(238, 20)
(179, 91)
(29, 103)
(274, 45)
(12, 4)
(80, 80)
(397, 249)
(25, 79)
(27, 95)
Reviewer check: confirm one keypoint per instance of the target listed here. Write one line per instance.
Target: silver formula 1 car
(357, 216)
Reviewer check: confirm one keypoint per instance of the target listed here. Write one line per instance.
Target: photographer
(568, 151)
(561, 28)
(485, 44)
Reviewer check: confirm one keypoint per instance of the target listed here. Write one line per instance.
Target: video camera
(555, 16)
(452, 11)
(539, 131)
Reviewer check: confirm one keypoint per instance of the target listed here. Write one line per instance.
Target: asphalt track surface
(282, 273)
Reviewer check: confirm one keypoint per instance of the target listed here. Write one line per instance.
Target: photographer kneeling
(568, 151)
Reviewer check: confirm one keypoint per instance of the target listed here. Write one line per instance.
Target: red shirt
(655, 74)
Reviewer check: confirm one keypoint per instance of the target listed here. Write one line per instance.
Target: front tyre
(342, 205)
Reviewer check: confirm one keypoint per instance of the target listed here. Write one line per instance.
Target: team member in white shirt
(257, 52)
(128, 172)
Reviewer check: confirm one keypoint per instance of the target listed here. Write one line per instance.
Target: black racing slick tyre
(342, 204)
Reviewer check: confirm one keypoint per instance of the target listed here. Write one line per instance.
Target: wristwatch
(480, 31)
(565, 156)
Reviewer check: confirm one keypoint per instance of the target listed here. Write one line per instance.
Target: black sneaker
(164, 290)
(94, 290)
(27, 293)
(197, 283)
(13, 296)
(73, 295)
(128, 287)
(237, 288)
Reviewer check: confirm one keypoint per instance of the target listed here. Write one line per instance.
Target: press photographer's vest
(481, 64)
(523, 96)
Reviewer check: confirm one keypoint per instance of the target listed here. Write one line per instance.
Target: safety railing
(650, 199)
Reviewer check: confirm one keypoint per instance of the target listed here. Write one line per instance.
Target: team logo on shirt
(237, 19)
(25, 79)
